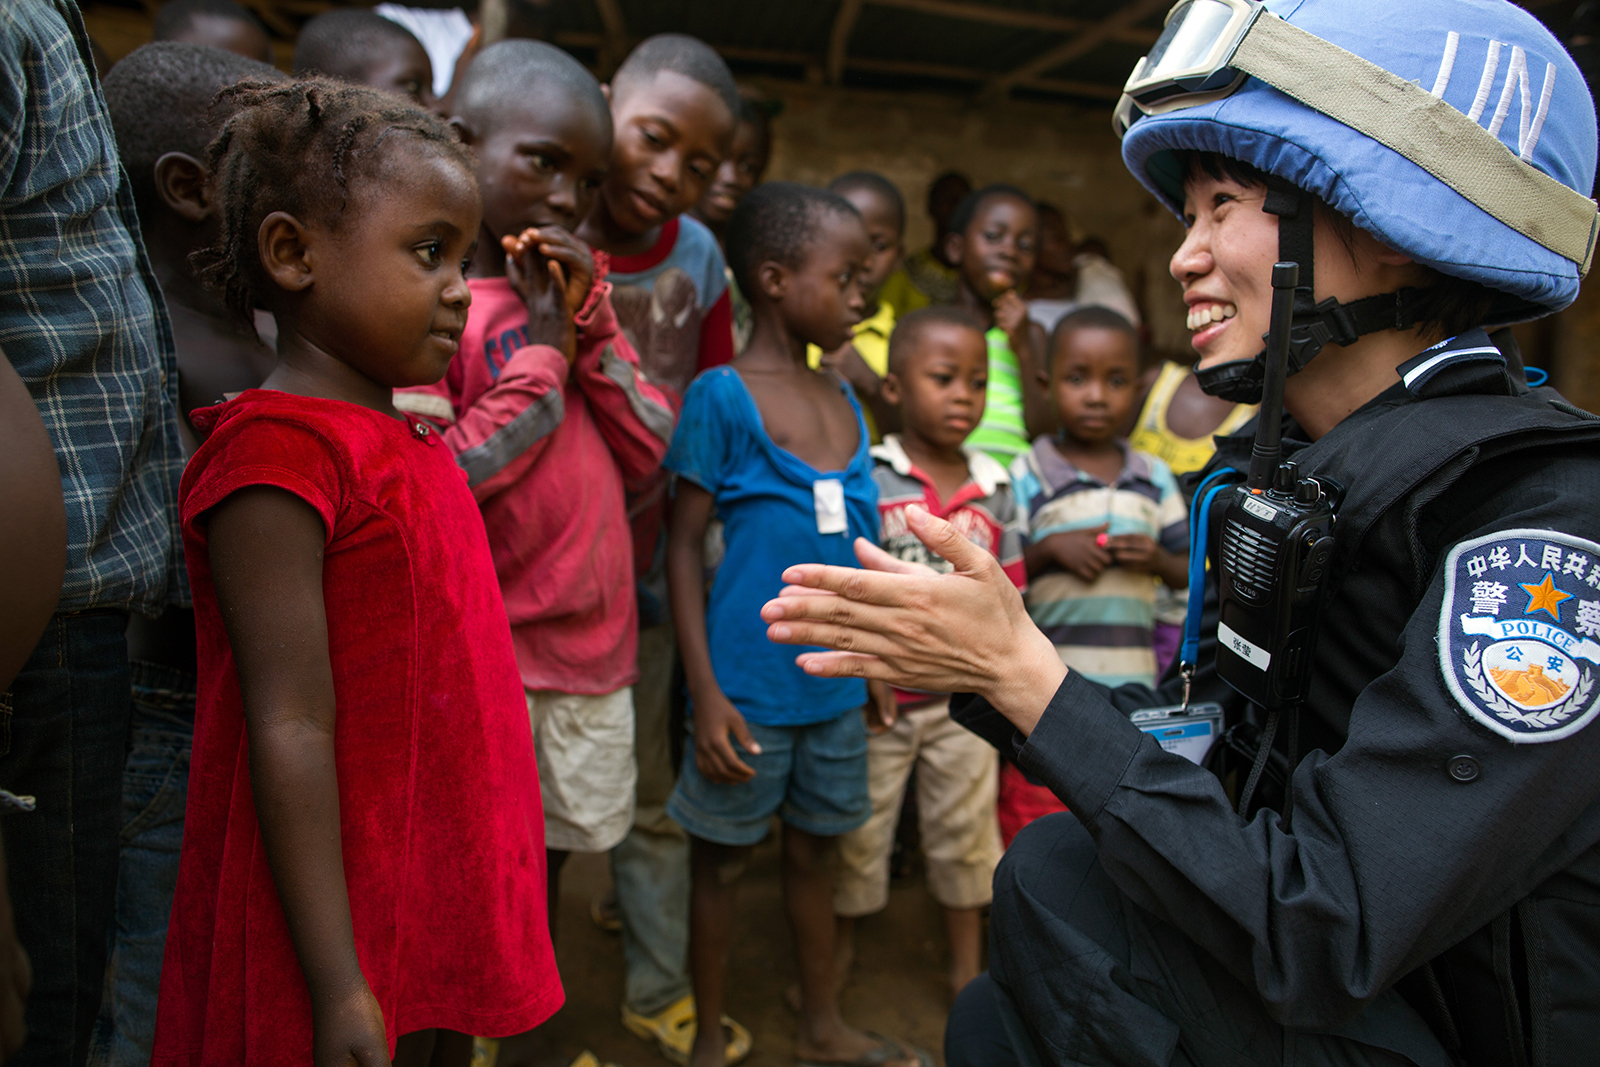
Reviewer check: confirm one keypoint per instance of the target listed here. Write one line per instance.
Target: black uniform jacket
(1390, 860)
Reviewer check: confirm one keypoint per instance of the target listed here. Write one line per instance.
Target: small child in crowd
(363, 859)
(215, 24)
(549, 416)
(1106, 523)
(366, 49)
(741, 169)
(740, 172)
(993, 238)
(865, 360)
(780, 452)
(159, 99)
(937, 376)
(1053, 289)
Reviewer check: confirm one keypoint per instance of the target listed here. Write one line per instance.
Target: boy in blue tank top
(779, 452)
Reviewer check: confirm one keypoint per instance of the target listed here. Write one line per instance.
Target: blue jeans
(813, 776)
(155, 788)
(63, 739)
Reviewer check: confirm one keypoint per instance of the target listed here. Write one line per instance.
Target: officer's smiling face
(1225, 265)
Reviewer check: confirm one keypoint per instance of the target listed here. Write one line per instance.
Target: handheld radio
(1277, 542)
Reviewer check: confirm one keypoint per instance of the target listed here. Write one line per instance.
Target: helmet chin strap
(1314, 325)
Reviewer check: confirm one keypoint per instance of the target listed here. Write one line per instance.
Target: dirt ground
(898, 986)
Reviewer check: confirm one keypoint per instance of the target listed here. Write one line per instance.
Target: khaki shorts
(956, 774)
(584, 745)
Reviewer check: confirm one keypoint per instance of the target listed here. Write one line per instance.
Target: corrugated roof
(1064, 49)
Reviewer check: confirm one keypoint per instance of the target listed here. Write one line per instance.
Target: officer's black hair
(680, 54)
(909, 329)
(160, 100)
(777, 222)
(1094, 317)
(299, 148)
(177, 16)
(344, 42)
(1453, 305)
(516, 69)
(974, 201)
(872, 182)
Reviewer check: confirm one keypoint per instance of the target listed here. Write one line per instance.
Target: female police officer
(1434, 897)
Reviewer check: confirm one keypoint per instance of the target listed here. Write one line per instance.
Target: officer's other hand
(1085, 553)
(962, 632)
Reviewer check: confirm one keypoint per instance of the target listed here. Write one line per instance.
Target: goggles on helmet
(1209, 48)
(1190, 62)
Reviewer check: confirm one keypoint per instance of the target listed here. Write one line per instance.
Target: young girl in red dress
(363, 860)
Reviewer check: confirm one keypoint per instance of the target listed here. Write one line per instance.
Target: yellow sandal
(673, 1030)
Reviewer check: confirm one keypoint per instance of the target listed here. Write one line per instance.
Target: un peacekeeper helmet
(1458, 132)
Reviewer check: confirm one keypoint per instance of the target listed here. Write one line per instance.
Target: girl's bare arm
(266, 563)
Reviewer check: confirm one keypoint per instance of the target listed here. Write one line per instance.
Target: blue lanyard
(1199, 529)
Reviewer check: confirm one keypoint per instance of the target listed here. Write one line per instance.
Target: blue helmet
(1492, 62)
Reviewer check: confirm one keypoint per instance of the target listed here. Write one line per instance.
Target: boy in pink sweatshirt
(550, 419)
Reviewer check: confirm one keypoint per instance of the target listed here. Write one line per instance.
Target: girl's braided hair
(296, 147)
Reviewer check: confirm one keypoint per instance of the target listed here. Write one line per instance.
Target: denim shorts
(814, 777)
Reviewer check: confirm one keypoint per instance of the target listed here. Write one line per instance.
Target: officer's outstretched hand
(962, 632)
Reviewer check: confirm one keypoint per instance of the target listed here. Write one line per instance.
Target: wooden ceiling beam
(1014, 18)
(844, 24)
(1080, 45)
(914, 68)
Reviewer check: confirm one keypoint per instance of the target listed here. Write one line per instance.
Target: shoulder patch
(1518, 633)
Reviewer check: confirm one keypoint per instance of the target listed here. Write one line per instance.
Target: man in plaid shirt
(83, 323)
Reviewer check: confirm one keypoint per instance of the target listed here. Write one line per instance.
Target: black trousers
(1081, 975)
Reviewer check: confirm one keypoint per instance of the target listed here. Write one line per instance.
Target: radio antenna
(1266, 452)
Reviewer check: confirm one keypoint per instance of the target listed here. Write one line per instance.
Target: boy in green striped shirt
(994, 236)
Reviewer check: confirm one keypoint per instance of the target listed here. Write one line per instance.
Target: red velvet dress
(442, 831)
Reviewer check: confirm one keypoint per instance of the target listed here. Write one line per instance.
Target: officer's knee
(975, 1033)
(1053, 849)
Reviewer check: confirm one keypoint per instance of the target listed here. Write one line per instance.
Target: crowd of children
(505, 410)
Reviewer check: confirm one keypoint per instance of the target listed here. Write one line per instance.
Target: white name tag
(828, 495)
(1255, 655)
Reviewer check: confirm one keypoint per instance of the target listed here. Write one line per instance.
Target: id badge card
(828, 496)
(1187, 732)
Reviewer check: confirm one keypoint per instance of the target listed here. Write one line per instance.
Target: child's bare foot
(833, 1043)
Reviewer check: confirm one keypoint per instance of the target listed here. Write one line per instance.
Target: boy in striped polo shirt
(1105, 524)
(937, 377)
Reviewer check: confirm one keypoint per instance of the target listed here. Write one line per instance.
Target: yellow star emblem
(1545, 597)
